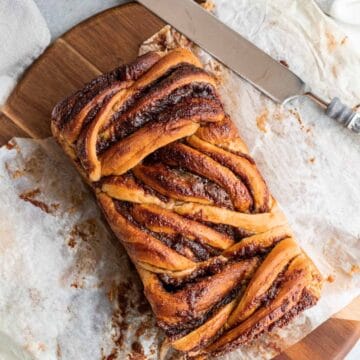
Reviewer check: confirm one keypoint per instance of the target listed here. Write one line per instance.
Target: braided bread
(179, 189)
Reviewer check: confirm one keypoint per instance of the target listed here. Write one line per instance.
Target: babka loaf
(217, 259)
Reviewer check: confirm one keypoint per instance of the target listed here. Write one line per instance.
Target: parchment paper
(67, 290)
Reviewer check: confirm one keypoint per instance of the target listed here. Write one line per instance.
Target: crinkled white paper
(67, 290)
(60, 293)
(311, 163)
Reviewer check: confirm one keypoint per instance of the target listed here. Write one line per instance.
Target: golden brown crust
(204, 333)
(183, 156)
(263, 278)
(242, 166)
(223, 134)
(121, 157)
(194, 299)
(296, 278)
(175, 181)
(165, 221)
(141, 246)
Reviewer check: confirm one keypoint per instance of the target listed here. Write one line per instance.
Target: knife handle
(344, 115)
(339, 111)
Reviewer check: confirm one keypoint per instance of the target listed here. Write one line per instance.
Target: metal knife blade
(266, 74)
(269, 76)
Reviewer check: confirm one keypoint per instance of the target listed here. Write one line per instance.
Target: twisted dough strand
(177, 185)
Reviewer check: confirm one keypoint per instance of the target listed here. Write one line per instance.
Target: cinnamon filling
(185, 327)
(306, 301)
(173, 284)
(129, 118)
(235, 233)
(180, 181)
(72, 105)
(147, 189)
(191, 249)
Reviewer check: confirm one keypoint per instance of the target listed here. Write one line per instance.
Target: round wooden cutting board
(97, 45)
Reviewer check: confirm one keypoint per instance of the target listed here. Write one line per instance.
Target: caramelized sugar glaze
(175, 181)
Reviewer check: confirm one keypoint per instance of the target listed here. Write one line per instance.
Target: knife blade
(255, 66)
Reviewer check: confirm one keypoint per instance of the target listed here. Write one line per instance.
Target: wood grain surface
(100, 44)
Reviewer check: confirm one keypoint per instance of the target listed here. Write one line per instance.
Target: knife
(269, 76)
